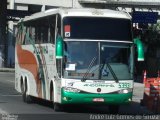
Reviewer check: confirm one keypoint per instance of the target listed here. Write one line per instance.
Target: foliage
(153, 33)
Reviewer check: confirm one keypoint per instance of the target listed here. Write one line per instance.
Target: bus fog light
(67, 98)
(64, 98)
(125, 90)
(129, 99)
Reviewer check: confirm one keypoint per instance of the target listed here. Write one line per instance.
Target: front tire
(52, 96)
(57, 107)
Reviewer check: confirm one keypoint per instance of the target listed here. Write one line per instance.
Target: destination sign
(144, 17)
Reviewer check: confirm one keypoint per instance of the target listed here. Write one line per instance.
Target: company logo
(41, 49)
(98, 89)
(99, 85)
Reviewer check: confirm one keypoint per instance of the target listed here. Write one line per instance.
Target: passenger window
(40, 31)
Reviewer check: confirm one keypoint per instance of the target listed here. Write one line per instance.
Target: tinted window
(97, 28)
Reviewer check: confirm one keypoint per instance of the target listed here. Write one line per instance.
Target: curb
(7, 70)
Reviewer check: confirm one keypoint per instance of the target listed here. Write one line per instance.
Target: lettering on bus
(99, 85)
(41, 49)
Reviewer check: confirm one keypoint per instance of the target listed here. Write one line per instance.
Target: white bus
(76, 56)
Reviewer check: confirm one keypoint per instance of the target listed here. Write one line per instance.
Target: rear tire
(29, 99)
(23, 93)
(114, 109)
(26, 98)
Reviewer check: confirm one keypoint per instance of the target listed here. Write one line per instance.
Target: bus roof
(84, 12)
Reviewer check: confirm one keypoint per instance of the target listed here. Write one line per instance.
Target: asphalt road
(13, 108)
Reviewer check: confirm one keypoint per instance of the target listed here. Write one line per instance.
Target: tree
(154, 33)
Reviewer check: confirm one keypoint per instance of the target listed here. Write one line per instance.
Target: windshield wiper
(111, 70)
(88, 69)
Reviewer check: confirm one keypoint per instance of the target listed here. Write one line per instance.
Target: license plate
(98, 100)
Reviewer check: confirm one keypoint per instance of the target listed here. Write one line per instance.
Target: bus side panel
(28, 68)
(17, 78)
(57, 90)
(18, 75)
(38, 67)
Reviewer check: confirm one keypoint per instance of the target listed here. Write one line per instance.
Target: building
(18, 7)
(32, 6)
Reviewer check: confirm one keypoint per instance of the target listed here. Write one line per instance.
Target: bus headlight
(126, 90)
(69, 89)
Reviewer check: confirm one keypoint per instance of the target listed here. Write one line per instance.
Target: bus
(76, 56)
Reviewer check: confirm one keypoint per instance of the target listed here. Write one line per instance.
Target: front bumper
(86, 98)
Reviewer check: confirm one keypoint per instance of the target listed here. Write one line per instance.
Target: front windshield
(118, 56)
(83, 56)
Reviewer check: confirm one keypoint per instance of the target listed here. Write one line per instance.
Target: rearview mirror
(140, 49)
(59, 47)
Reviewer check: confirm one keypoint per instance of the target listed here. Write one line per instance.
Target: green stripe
(82, 98)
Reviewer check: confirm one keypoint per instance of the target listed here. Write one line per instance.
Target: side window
(19, 31)
(44, 34)
(39, 31)
(59, 61)
(23, 35)
(32, 33)
(59, 25)
(18, 35)
(52, 24)
(45, 30)
(26, 42)
(28, 35)
(37, 34)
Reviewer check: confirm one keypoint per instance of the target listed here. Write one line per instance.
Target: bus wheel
(52, 96)
(23, 93)
(113, 109)
(57, 107)
(26, 98)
